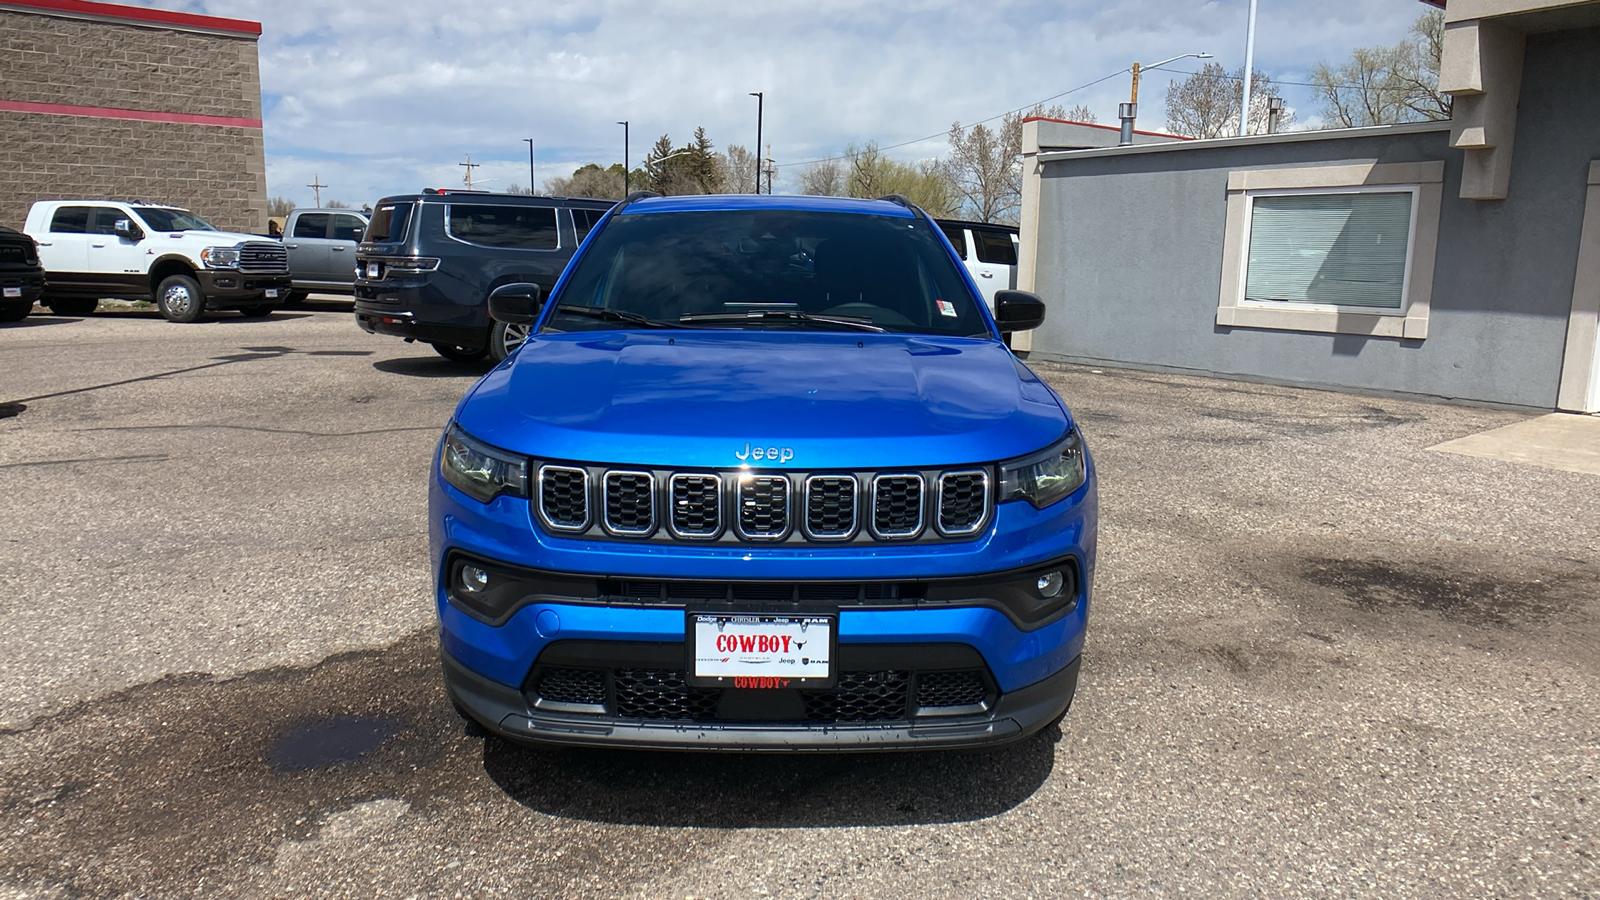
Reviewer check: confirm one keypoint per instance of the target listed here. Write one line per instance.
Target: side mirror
(516, 304)
(124, 228)
(1018, 310)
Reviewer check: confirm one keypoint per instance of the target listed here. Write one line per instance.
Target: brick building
(103, 101)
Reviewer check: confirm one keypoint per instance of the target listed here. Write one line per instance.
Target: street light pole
(531, 183)
(624, 158)
(1127, 112)
(1249, 69)
(760, 105)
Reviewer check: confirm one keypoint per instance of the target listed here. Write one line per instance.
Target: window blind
(1346, 249)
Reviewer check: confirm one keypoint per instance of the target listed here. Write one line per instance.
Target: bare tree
(733, 169)
(336, 204)
(1081, 113)
(871, 174)
(278, 207)
(823, 178)
(1387, 85)
(592, 181)
(984, 166)
(1206, 104)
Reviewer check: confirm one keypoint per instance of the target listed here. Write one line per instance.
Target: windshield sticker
(946, 308)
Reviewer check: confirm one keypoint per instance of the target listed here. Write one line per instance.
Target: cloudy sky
(387, 96)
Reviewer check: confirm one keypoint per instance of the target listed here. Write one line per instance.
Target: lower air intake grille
(764, 507)
(630, 502)
(573, 685)
(860, 697)
(897, 506)
(936, 689)
(564, 497)
(662, 694)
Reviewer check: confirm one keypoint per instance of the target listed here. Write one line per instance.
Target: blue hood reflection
(822, 400)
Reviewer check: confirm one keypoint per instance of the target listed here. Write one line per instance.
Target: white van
(989, 252)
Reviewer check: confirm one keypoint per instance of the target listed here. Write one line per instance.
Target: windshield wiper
(614, 315)
(785, 315)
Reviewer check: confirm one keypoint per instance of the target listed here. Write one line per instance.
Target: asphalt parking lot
(1323, 660)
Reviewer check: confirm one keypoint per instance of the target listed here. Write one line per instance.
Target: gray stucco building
(1455, 259)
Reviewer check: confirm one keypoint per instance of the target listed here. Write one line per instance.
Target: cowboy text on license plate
(761, 651)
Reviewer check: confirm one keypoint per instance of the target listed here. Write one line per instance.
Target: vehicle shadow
(36, 320)
(708, 790)
(432, 367)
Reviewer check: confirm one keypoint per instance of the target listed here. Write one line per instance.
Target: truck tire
(258, 311)
(459, 354)
(15, 310)
(504, 339)
(71, 306)
(179, 299)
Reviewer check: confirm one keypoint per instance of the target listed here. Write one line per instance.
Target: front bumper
(226, 288)
(29, 285)
(1014, 715)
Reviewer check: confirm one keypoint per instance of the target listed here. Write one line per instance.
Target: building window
(1344, 248)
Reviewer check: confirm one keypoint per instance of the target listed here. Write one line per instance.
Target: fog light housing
(475, 580)
(1050, 584)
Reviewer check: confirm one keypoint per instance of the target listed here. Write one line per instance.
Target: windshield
(162, 219)
(769, 269)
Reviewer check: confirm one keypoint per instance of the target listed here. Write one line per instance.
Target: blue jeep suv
(763, 477)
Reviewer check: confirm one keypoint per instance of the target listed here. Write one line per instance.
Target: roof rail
(900, 199)
(637, 195)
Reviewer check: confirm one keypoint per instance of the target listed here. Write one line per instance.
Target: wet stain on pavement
(317, 745)
(1464, 597)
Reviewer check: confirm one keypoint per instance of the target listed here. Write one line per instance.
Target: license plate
(760, 651)
(13, 292)
(272, 292)
(372, 270)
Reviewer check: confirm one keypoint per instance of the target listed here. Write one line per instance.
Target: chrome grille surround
(763, 507)
(954, 508)
(893, 496)
(623, 494)
(693, 514)
(555, 490)
(823, 524)
(264, 258)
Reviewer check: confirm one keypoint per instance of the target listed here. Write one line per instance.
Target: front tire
(505, 338)
(259, 311)
(72, 306)
(15, 311)
(459, 354)
(179, 299)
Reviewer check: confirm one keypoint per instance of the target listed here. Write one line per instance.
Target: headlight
(1045, 477)
(220, 257)
(480, 471)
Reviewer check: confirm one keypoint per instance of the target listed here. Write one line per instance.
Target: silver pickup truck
(322, 250)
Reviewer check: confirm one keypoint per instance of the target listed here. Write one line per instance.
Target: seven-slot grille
(764, 507)
(630, 503)
(263, 257)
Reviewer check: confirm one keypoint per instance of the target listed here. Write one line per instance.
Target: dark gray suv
(426, 265)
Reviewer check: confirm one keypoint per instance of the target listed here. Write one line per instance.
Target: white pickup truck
(138, 251)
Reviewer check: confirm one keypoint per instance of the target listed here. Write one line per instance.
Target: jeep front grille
(897, 506)
(764, 507)
(696, 506)
(831, 507)
(630, 501)
(963, 501)
(564, 498)
(263, 258)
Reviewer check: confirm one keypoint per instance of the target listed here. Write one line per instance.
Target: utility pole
(531, 183)
(771, 167)
(760, 107)
(624, 125)
(317, 185)
(1249, 70)
(469, 165)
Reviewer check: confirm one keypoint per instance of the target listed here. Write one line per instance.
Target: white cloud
(383, 96)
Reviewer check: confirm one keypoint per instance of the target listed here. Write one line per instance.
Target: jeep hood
(708, 399)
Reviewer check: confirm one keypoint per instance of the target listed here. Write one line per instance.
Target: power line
(807, 162)
(1293, 83)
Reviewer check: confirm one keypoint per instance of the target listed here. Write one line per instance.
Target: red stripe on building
(137, 14)
(139, 115)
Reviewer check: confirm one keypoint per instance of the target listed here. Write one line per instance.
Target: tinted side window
(584, 220)
(389, 223)
(347, 228)
(995, 247)
(103, 220)
(311, 225)
(957, 237)
(70, 220)
(526, 227)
